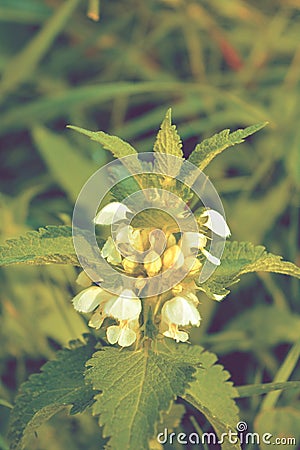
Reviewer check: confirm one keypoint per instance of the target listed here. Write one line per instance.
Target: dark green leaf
(60, 383)
(50, 245)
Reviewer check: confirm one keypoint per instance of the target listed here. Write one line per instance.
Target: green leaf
(240, 258)
(208, 149)
(212, 394)
(126, 187)
(70, 169)
(136, 387)
(114, 144)
(50, 245)
(168, 142)
(60, 383)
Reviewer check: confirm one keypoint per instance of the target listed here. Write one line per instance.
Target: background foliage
(220, 64)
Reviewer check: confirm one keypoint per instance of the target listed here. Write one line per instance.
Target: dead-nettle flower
(178, 307)
(125, 308)
(179, 311)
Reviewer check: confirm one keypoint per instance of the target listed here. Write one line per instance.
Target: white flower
(191, 240)
(124, 334)
(111, 213)
(179, 311)
(216, 223)
(125, 307)
(88, 299)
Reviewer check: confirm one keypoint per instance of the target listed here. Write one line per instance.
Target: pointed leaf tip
(114, 144)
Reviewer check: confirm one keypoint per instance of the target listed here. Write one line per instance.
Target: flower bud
(171, 240)
(129, 266)
(177, 289)
(173, 258)
(152, 263)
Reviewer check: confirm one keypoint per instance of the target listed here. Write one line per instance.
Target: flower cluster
(175, 309)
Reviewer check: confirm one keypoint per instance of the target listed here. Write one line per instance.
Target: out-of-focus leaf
(282, 424)
(23, 64)
(250, 212)
(264, 326)
(70, 169)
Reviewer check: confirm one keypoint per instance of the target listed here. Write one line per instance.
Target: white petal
(127, 306)
(113, 334)
(211, 258)
(111, 213)
(83, 280)
(127, 337)
(216, 223)
(124, 234)
(179, 336)
(218, 297)
(96, 320)
(88, 299)
(193, 297)
(180, 311)
(109, 251)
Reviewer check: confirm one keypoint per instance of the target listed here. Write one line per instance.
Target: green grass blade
(282, 375)
(24, 63)
(259, 389)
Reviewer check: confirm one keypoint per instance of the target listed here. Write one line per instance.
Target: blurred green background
(218, 64)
